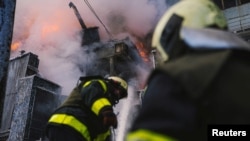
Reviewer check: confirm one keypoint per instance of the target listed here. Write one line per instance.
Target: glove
(109, 118)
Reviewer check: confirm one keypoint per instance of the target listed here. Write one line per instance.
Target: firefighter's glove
(109, 118)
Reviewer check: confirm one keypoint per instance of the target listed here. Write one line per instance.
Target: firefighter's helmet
(195, 14)
(119, 88)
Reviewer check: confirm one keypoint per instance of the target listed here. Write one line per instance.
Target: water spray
(127, 111)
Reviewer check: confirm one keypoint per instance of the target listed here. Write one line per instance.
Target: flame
(142, 51)
(15, 45)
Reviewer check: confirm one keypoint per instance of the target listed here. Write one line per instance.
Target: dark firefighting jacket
(81, 110)
(187, 94)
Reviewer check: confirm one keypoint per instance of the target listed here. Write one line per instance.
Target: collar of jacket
(212, 39)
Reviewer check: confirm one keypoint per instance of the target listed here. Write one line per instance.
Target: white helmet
(122, 82)
(195, 14)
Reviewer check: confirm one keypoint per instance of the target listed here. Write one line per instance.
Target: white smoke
(50, 30)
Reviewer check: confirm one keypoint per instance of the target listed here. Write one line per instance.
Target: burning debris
(114, 57)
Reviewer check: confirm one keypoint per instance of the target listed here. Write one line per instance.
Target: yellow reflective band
(100, 81)
(146, 135)
(103, 85)
(86, 83)
(99, 104)
(102, 137)
(72, 122)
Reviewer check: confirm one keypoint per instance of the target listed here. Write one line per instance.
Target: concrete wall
(29, 100)
(238, 18)
(36, 100)
(17, 69)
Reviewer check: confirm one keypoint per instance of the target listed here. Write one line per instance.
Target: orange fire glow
(52, 26)
(48, 29)
(15, 45)
(142, 52)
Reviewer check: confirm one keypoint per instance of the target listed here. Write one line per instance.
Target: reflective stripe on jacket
(71, 121)
(100, 81)
(146, 135)
(101, 102)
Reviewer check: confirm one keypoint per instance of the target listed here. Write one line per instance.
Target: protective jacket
(81, 111)
(205, 86)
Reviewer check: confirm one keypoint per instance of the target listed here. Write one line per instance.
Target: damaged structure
(114, 57)
(29, 100)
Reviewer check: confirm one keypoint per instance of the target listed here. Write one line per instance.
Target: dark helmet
(117, 88)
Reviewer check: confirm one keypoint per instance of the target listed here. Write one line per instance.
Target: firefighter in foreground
(203, 80)
(87, 114)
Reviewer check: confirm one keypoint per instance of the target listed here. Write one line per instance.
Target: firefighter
(87, 113)
(203, 78)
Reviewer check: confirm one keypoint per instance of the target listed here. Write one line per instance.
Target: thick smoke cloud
(50, 29)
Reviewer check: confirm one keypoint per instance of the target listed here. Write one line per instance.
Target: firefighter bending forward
(87, 113)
